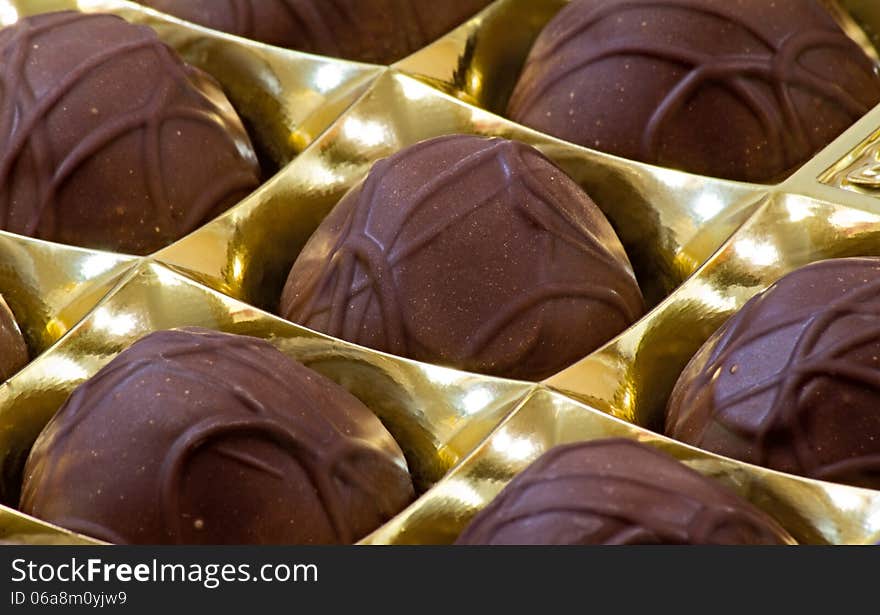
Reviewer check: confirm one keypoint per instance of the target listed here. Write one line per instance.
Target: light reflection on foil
(459, 491)
(369, 133)
(319, 172)
(166, 276)
(115, 324)
(514, 447)
(8, 14)
(328, 77)
(713, 296)
(238, 268)
(442, 375)
(760, 253)
(709, 205)
(848, 218)
(476, 400)
(413, 90)
(799, 210)
(63, 368)
(97, 265)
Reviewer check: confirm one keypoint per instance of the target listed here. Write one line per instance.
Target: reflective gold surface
(701, 247)
(866, 13)
(669, 221)
(813, 512)
(437, 415)
(481, 60)
(49, 287)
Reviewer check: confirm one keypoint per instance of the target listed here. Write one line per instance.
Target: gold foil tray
(798, 222)
(669, 221)
(437, 415)
(50, 287)
(812, 511)
(700, 246)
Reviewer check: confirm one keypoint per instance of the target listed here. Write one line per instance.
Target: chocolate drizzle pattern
(473, 252)
(108, 140)
(319, 467)
(378, 31)
(792, 381)
(772, 72)
(617, 492)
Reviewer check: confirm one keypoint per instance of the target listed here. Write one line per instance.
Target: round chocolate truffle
(377, 31)
(199, 437)
(792, 381)
(470, 252)
(13, 350)
(746, 90)
(618, 492)
(108, 140)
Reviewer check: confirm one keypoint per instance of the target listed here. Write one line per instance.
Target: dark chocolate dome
(108, 140)
(199, 437)
(471, 252)
(617, 492)
(746, 90)
(792, 381)
(377, 31)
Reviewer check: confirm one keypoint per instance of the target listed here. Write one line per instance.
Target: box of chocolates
(510, 272)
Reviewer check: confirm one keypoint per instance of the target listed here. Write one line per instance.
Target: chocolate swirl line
(323, 469)
(243, 17)
(418, 35)
(376, 31)
(787, 411)
(704, 518)
(313, 26)
(314, 21)
(88, 528)
(779, 68)
(304, 440)
(659, 502)
(24, 131)
(380, 256)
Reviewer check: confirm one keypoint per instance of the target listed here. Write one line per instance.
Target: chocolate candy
(378, 31)
(13, 350)
(792, 382)
(470, 252)
(746, 90)
(108, 140)
(617, 492)
(194, 436)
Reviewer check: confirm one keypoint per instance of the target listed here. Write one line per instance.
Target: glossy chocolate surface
(617, 492)
(470, 252)
(199, 437)
(792, 381)
(108, 140)
(746, 90)
(376, 31)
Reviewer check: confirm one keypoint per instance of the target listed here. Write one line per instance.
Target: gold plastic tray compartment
(464, 435)
(437, 415)
(286, 98)
(481, 60)
(50, 287)
(807, 218)
(813, 512)
(701, 248)
(669, 221)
